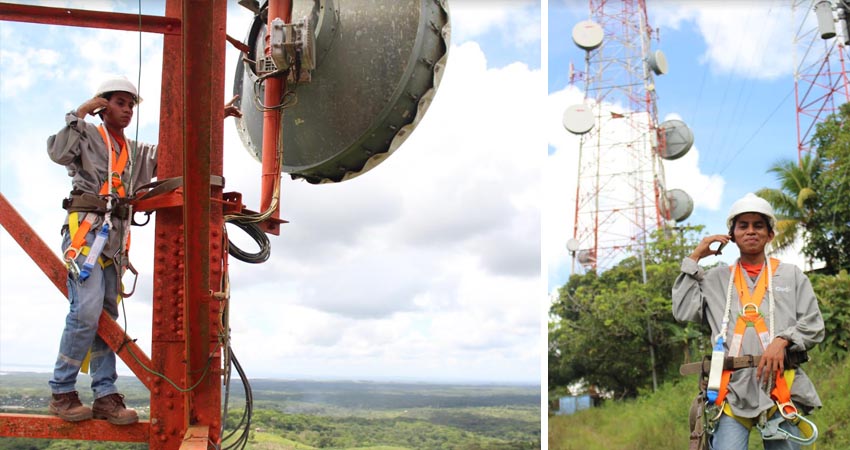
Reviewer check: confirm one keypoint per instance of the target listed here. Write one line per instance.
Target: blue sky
(730, 76)
(413, 271)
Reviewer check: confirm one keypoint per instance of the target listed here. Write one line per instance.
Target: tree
(811, 200)
(829, 235)
(795, 201)
(598, 324)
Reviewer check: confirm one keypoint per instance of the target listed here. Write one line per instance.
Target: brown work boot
(69, 408)
(111, 407)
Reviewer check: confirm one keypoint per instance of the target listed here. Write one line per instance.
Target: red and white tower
(821, 56)
(620, 192)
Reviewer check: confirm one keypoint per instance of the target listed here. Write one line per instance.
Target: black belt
(793, 359)
(86, 202)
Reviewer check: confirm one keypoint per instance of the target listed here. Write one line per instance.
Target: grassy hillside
(660, 420)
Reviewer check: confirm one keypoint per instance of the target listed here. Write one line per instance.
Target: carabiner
(772, 432)
(135, 278)
(73, 268)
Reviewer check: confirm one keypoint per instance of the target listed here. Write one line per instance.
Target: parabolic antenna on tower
(377, 67)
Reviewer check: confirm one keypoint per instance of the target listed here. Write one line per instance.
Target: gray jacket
(79, 147)
(700, 296)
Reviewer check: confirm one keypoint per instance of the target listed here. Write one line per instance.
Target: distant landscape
(341, 415)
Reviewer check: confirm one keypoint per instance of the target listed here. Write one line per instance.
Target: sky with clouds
(435, 265)
(426, 268)
(730, 79)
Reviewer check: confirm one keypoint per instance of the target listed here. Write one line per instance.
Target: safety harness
(749, 317)
(93, 206)
(709, 412)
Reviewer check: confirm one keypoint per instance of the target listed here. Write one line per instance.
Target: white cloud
(22, 65)
(427, 266)
(442, 237)
(518, 19)
(748, 39)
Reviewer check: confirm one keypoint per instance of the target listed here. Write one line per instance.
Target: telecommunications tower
(820, 56)
(620, 190)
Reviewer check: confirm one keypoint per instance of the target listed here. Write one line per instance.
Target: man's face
(751, 233)
(120, 110)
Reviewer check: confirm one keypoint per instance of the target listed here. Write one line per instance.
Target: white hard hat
(118, 83)
(751, 203)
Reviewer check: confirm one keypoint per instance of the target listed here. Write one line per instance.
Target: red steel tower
(620, 194)
(190, 356)
(820, 55)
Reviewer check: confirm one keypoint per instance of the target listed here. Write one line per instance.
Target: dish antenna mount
(375, 67)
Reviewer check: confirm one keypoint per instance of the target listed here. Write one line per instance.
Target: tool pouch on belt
(794, 358)
(696, 416)
(699, 438)
(80, 201)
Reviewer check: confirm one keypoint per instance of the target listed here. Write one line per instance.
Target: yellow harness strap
(73, 227)
(749, 422)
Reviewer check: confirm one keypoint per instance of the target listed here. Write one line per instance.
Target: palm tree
(795, 201)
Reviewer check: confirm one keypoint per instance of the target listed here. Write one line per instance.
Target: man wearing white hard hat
(763, 316)
(104, 166)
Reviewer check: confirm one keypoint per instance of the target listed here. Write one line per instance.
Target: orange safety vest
(751, 317)
(113, 184)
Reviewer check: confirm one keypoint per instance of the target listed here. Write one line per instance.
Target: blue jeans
(731, 435)
(98, 293)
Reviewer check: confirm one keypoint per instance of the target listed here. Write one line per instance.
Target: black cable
(253, 230)
(245, 422)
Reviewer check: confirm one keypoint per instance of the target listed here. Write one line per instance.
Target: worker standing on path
(787, 321)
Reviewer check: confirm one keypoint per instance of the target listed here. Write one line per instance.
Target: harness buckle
(792, 414)
(750, 310)
(67, 258)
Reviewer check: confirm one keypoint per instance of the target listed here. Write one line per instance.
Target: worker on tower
(103, 165)
(759, 307)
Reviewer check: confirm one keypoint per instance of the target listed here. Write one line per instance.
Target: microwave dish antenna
(681, 204)
(678, 139)
(658, 62)
(377, 66)
(588, 35)
(578, 119)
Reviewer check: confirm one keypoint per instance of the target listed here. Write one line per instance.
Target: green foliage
(811, 200)
(660, 420)
(829, 239)
(306, 415)
(795, 201)
(603, 325)
(653, 421)
(438, 429)
(47, 444)
(833, 294)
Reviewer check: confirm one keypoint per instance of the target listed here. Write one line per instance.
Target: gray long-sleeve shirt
(700, 296)
(80, 148)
